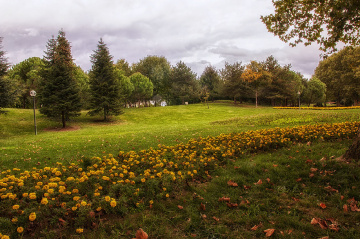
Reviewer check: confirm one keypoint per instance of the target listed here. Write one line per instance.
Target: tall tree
(234, 85)
(126, 87)
(257, 77)
(6, 93)
(28, 76)
(59, 92)
(104, 85)
(143, 87)
(185, 86)
(124, 67)
(157, 69)
(341, 74)
(304, 20)
(315, 91)
(210, 79)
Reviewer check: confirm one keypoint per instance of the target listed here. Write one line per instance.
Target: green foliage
(126, 87)
(185, 86)
(284, 83)
(157, 69)
(211, 81)
(27, 75)
(59, 92)
(234, 85)
(341, 74)
(7, 92)
(104, 85)
(143, 88)
(315, 91)
(124, 67)
(305, 20)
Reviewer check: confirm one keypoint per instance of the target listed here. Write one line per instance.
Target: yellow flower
(167, 195)
(151, 202)
(14, 220)
(79, 230)
(16, 207)
(32, 216)
(5, 237)
(113, 203)
(74, 208)
(44, 201)
(98, 209)
(107, 198)
(20, 229)
(83, 203)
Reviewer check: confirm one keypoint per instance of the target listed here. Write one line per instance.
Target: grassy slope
(135, 130)
(287, 202)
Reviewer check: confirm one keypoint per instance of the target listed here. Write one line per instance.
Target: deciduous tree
(324, 22)
(27, 74)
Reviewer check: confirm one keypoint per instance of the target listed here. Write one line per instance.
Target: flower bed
(78, 195)
(319, 108)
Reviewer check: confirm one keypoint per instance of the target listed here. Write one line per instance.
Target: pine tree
(5, 86)
(104, 85)
(59, 94)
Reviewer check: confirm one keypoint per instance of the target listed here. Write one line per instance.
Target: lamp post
(33, 94)
(299, 93)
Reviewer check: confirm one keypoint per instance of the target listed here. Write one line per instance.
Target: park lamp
(33, 94)
(299, 93)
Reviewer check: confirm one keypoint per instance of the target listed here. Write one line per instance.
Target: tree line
(64, 89)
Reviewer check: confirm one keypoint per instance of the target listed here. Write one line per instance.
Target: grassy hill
(213, 187)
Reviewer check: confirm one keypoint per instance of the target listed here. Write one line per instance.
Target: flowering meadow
(77, 196)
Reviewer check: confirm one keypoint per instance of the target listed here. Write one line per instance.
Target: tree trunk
(353, 152)
(63, 119)
(256, 98)
(104, 114)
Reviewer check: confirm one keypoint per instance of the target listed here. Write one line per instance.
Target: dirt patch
(56, 129)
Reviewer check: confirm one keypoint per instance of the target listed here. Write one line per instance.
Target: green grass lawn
(285, 189)
(137, 129)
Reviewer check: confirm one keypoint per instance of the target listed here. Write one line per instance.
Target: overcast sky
(197, 32)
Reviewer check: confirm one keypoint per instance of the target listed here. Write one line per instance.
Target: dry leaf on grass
(269, 232)
(140, 234)
(232, 184)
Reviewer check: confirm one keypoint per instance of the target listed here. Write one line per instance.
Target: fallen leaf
(258, 182)
(322, 205)
(314, 221)
(298, 180)
(180, 207)
(202, 207)
(345, 207)
(216, 219)
(275, 165)
(313, 170)
(254, 228)
(269, 232)
(140, 234)
(232, 184)
(203, 216)
(311, 175)
(324, 237)
(247, 187)
(268, 179)
(224, 199)
(232, 204)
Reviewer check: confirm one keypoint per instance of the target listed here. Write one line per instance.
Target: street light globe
(32, 93)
